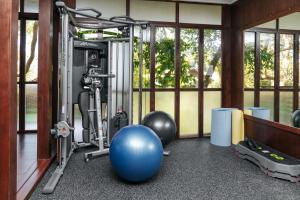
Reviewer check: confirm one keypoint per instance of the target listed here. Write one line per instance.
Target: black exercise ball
(162, 124)
(296, 119)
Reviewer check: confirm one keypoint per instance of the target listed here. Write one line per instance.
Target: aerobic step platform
(271, 162)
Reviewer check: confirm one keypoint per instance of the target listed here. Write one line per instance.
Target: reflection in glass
(165, 57)
(249, 59)
(31, 106)
(189, 58)
(286, 107)
(248, 99)
(146, 58)
(189, 114)
(299, 101)
(145, 105)
(31, 6)
(18, 102)
(31, 66)
(267, 101)
(212, 59)
(286, 60)
(299, 60)
(267, 60)
(211, 100)
(165, 101)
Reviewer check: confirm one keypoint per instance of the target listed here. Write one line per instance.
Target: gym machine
(96, 74)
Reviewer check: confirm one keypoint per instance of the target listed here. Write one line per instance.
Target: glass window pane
(290, 22)
(164, 58)
(146, 58)
(31, 6)
(189, 58)
(211, 100)
(269, 25)
(248, 99)
(212, 59)
(189, 114)
(249, 59)
(286, 60)
(31, 66)
(267, 60)
(267, 101)
(286, 107)
(31, 106)
(145, 105)
(165, 101)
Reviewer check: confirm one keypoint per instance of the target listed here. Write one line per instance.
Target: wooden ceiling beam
(250, 13)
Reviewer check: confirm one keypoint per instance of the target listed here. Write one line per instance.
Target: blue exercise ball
(136, 153)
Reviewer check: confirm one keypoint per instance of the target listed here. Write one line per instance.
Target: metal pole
(117, 75)
(99, 118)
(69, 84)
(64, 67)
(70, 113)
(140, 104)
(130, 119)
(123, 73)
(65, 107)
(109, 96)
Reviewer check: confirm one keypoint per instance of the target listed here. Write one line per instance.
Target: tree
(267, 65)
(34, 32)
(165, 56)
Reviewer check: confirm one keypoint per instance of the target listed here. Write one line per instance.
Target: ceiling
(210, 1)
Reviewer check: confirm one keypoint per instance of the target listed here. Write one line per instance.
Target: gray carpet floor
(195, 170)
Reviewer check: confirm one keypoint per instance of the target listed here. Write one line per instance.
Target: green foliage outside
(267, 61)
(146, 64)
(267, 56)
(212, 58)
(189, 58)
(165, 59)
(249, 61)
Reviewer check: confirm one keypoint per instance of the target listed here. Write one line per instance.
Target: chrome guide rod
(140, 103)
(130, 118)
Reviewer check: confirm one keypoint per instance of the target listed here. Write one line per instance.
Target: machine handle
(98, 14)
(102, 76)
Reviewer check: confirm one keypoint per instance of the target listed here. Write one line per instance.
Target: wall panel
(152, 10)
(200, 14)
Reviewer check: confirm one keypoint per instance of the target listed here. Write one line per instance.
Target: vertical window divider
(22, 96)
(296, 72)
(277, 73)
(152, 67)
(177, 71)
(257, 70)
(200, 81)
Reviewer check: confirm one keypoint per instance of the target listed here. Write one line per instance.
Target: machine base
(270, 161)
